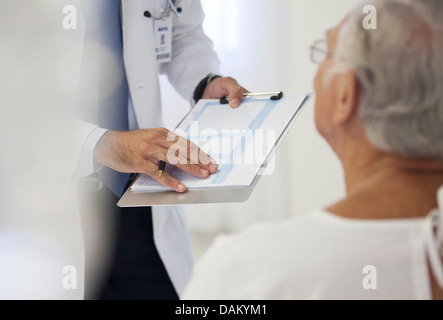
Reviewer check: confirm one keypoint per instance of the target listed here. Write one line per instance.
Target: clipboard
(220, 195)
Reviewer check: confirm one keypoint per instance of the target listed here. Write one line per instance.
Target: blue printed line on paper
(198, 115)
(240, 148)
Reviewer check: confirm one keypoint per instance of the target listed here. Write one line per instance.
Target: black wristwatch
(200, 89)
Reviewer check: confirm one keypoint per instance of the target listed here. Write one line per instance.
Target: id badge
(163, 39)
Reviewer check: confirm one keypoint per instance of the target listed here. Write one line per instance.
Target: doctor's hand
(221, 87)
(140, 151)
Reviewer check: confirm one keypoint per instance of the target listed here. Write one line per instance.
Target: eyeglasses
(320, 51)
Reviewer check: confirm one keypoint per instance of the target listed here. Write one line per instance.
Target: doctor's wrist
(200, 89)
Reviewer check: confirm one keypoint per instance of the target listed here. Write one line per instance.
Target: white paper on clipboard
(240, 140)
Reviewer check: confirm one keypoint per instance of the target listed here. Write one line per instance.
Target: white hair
(399, 67)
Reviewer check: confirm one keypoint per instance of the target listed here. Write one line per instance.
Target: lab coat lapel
(140, 62)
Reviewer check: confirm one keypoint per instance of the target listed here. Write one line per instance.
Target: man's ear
(347, 97)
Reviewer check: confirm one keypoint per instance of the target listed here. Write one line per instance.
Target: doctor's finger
(235, 92)
(185, 152)
(182, 162)
(192, 163)
(165, 179)
(194, 169)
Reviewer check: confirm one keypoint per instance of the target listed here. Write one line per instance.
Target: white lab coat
(192, 59)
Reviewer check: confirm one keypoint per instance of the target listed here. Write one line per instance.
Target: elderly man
(379, 105)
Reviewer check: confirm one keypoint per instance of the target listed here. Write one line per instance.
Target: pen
(161, 167)
(260, 96)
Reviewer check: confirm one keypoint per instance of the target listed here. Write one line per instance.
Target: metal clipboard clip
(274, 96)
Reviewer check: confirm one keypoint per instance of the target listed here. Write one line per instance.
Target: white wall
(40, 229)
(271, 52)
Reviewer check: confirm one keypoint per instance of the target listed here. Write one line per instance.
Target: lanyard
(169, 7)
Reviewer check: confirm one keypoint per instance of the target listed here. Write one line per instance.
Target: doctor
(127, 44)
